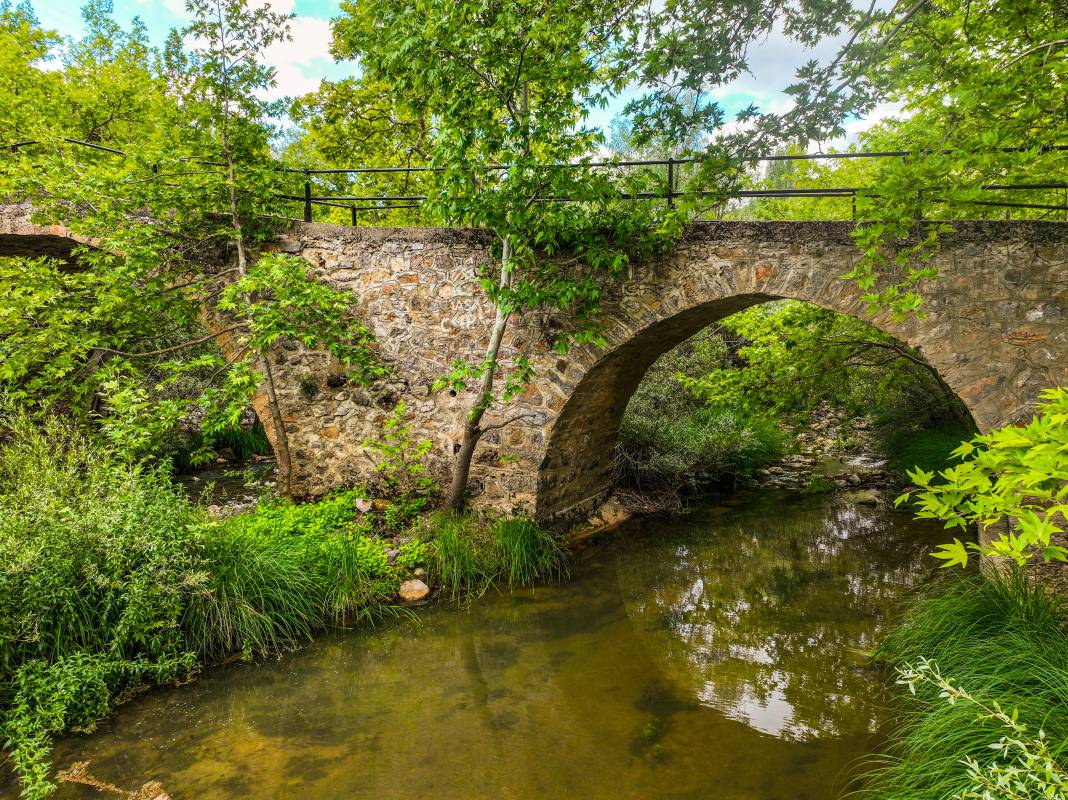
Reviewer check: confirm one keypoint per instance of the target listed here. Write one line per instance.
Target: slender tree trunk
(472, 432)
(461, 470)
(281, 439)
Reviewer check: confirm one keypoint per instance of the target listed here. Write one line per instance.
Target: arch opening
(579, 470)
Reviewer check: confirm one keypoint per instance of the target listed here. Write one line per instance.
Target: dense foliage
(714, 409)
(791, 356)
(126, 335)
(987, 663)
(1014, 478)
(672, 442)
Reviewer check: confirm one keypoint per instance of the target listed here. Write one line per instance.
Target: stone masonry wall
(995, 328)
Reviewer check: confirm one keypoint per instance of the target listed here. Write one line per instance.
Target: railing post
(854, 196)
(671, 182)
(307, 197)
(353, 210)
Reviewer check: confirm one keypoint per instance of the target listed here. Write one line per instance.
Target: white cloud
(293, 59)
(175, 7)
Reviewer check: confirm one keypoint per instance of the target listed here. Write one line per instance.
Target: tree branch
(165, 350)
(1047, 46)
(524, 415)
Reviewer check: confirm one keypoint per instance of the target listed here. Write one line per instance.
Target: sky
(304, 61)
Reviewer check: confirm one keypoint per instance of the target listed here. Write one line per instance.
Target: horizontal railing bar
(1002, 205)
(683, 161)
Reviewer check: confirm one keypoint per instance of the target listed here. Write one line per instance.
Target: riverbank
(184, 586)
(982, 668)
(112, 579)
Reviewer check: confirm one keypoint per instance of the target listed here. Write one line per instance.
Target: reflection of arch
(718, 271)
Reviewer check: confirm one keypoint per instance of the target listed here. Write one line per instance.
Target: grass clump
(1001, 640)
(469, 555)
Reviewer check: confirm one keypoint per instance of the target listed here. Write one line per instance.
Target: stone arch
(981, 318)
(21, 237)
(995, 330)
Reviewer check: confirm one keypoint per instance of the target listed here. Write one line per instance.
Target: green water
(718, 656)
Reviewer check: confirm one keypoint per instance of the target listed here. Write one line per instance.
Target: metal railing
(670, 193)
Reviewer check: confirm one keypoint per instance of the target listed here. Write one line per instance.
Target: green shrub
(1001, 640)
(284, 571)
(243, 442)
(97, 558)
(690, 449)
(413, 553)
(458, 555)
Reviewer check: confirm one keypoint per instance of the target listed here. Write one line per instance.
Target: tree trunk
(280, 438)
(461, 471)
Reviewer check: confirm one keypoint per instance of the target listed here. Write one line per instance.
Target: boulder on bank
(413, 591)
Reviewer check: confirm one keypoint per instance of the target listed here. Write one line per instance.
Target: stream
(720, 655)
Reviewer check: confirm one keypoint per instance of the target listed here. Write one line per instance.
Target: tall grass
(468, 555)
(1001, 639)
(526, 552)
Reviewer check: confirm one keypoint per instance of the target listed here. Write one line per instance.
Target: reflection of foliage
(761, 618)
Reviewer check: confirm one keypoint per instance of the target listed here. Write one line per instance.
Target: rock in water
(413, 591)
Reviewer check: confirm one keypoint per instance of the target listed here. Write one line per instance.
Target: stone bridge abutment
(995, 329)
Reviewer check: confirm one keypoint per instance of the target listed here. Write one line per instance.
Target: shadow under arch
(21, 237)
(576, 474)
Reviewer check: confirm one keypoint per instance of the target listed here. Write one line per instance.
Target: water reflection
(711, 657)
(765, 614)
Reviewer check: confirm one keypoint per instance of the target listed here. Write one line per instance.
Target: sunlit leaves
(509, 84)
(1016, 475)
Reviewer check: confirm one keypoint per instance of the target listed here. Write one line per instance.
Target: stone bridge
(995, 329)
